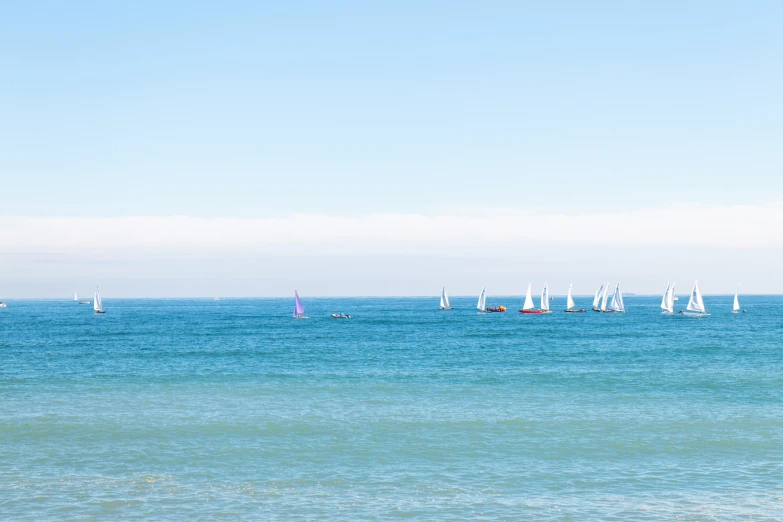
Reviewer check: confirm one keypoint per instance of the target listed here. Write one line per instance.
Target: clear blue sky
(259, 109)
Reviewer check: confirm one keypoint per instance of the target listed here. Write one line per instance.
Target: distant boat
(97, 304)
(341, 316)
(216, 299)
(444, 300)
(85, 302)
(601, 296)
(570, 304)
(529, 308)
(3, 305)
(604, 298)
(299, 311)
(597, 299)
(617, 306)
(75, 297)
(736, 308)
(695, 306)
(667, 301)
(545, 300)
(482, 302)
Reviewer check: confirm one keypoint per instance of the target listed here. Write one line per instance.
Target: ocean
(198, 409)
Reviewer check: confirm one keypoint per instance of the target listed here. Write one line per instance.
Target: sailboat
(597, 299)
(75, 297)
(604, 299)
(570, 304)
(696, 306)
(600, 299)
(736, 308)
(97, 304)
(299, 311)
(444, 300)
(482, 302)
(530, 308)
(667, 301)
(545, 300)
(617, 306)
(665, 298)
(3, 305)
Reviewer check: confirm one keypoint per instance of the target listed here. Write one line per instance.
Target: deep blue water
(179, 409)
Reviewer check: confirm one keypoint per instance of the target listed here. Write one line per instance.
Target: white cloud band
(691, 225)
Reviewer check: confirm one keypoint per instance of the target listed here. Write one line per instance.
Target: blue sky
(257, 109)
(260, 110)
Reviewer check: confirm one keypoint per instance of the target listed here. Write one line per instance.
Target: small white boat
(695, 306)
(667, 302)
(216, 299)
(3, 305)
(341, 316)
(482, 300)
(617, 306)
(299, 311)
(736, 309)
(97, 304)
(444, 300)
(570, 304)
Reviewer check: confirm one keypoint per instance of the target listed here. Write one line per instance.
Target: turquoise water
(179, 409)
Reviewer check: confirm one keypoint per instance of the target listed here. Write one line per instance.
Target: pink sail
(298, 308)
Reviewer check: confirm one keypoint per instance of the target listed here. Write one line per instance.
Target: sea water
(181, 409)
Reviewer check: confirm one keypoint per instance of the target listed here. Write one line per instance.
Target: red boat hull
(532, 312)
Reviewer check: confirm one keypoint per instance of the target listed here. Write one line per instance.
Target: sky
(365, 148)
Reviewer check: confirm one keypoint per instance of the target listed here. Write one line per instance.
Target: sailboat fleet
(601, 303)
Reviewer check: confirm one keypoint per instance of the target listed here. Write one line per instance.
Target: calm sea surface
(180, 409)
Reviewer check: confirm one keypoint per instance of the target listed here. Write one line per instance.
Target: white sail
(75, 296)
(528, 299)
(482, 302)
(444, 300)
(736, 300)
(696, 302)
(545, 298)
(597, 298)
(605, 296)
(570, 300)
(668, 299)
(97, 304)
(617, 300)
(665, 298)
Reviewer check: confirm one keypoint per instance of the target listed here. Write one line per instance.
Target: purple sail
(298, 308)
